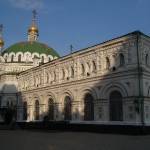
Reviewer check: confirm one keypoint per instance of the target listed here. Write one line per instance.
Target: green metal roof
(31, 47)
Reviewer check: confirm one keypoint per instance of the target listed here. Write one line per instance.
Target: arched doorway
(88, 107)
(67, 108)
(51, 109)
(37, 110)
(25, 111)
(116, 106)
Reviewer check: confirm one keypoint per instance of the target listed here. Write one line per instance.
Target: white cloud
(28, 4)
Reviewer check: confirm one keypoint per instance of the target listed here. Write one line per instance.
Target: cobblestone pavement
(36, 140)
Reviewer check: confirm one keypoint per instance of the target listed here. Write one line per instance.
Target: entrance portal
(116, 110)
(51, 109)
(88, 107)
(37, 111)
(67, 108)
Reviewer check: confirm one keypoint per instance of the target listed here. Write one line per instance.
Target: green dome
(32, 47)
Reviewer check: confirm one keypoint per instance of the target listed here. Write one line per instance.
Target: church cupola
(1, 38)
(33, 31)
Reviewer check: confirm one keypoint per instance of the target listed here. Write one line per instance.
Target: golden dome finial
(1, 37)
(33, 31)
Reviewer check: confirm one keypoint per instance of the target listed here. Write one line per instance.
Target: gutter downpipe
(140, 73)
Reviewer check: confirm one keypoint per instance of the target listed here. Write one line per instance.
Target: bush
(9, 114)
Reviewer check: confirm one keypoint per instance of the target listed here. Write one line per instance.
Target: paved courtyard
(36, 140)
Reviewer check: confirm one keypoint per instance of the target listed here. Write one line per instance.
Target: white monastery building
(108, 83)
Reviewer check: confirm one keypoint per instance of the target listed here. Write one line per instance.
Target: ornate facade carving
(84, 85)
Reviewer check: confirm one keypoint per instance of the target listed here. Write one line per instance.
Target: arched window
(88, 65)
(25, 111)
(116, 106)
(40, 79)
(36, 81)
(37, 110)
(67, 108)
(51, 109)
(19, 58)
(63, 74)
(47, 77)
(12, 58)
(94, 66)
(82, 69)
(54, 76)
(6, 59)
(27, 57)
(122, 60)
(107, 63)
(72, 72)
(146, 59)
(42, 59)
(88, 107)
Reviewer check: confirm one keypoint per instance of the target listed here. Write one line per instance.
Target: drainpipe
(140, 73)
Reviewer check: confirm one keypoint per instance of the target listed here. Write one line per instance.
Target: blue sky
(81, 23)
